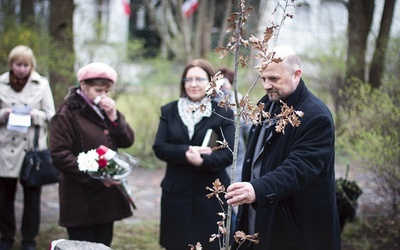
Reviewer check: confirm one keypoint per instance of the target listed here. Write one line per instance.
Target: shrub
(378, 232)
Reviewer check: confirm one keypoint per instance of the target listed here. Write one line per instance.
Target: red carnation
(101, 150)
(102, 162)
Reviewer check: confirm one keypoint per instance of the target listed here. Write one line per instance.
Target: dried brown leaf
(248, 10)
(232, 17)
(287, 116)
(243, 60)
(245, 43)
(268, 33)
(241, 237)
(216, 189)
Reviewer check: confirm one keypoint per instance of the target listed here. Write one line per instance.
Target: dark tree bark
(227, 10)
(359, 26)
(27, 13)
(61, 30)
(378, 61)
(61, 22)
(8, 14)
(205, 21)
(253, 27)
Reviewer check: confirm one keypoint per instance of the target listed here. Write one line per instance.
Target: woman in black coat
(187, 215)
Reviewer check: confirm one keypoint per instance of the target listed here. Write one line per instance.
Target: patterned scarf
(17, 84)
(190, 119)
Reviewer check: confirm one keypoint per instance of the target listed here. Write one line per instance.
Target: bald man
(287, 193)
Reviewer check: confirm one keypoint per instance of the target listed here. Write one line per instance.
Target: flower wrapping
(105, 164)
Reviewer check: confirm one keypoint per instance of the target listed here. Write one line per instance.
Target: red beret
(97, 70)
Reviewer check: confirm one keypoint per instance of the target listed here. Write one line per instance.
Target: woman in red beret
(87, 119)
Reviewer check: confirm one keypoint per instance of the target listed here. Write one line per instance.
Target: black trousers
(102, 233)
(31, 212)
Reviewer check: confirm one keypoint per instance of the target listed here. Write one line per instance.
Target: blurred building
(103, 27)
(318, 23)
(101, 30)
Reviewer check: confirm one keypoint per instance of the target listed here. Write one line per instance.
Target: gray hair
(290, 59)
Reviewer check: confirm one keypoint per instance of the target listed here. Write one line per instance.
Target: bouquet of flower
(105, 164)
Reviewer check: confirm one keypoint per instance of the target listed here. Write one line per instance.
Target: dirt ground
(145, 186)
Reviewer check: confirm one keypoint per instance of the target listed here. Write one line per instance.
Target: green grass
(47, 234)
(138, 236)
(362, 234)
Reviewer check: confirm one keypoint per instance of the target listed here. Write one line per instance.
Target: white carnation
(88, 161)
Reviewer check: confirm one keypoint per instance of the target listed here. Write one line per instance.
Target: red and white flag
(189, 6)
(127, 7)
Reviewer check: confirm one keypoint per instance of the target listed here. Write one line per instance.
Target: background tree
(28, 23)
(358, 28)
(63, 56)
(27, 13)
(179, 38)
(196, 35)
(20, 23)
(360, 16)
(359, 39)
(366, 114)
(377, 65)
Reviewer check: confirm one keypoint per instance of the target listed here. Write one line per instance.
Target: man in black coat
(288, 191)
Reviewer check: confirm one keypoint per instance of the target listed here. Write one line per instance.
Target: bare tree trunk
(203, 31)
(172, 27)
(27, 13)
(160, 27)
(61, 30)
(359, 26)
(187, 27)
(377, 65)
(193, 34)
(206, 48)
(8, 13)
(201, 18)
(255, 23)
(222, 30)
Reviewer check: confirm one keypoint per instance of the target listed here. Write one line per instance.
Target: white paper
(19, 129)
(19, 119)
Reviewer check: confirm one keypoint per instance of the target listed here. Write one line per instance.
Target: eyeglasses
(197, 80)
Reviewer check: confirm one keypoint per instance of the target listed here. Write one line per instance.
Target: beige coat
(36, 94)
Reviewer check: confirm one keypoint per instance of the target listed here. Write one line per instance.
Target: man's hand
(240, 193)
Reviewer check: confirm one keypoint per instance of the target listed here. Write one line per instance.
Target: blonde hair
(22, 53)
